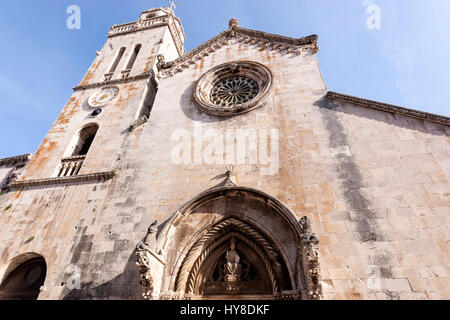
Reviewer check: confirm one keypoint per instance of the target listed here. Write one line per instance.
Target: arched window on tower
(113, 67)
(131, 61)
(77, 151)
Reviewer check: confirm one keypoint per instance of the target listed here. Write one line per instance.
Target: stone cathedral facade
(229, 172)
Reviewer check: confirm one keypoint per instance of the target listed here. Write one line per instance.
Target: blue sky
(406, 62)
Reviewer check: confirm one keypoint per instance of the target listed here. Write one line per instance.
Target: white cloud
(401, 58)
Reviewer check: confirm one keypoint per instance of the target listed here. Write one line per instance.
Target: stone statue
(161, 61)
(149, 241)
(307, 233)
(233, 269)
(144, 258)
(309, 246)
(234, 23)
(232, 26)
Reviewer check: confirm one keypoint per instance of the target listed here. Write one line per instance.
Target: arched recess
(270, 240)
(258, 268)
(83, 140)
(24, 277)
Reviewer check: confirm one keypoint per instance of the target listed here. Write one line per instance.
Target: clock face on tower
(103, 97)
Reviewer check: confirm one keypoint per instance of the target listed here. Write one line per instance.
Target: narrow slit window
(117, 60)
(149, 101)
(133, 57)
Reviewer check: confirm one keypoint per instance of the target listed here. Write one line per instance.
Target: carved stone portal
(231, 256)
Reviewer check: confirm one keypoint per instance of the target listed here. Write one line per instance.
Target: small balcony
(71, 166)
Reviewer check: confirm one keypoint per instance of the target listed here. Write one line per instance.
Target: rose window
(233, 88)
(234, 91)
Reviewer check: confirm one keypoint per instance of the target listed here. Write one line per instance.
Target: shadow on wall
(125, 286)
(383, 116)
(191, 111)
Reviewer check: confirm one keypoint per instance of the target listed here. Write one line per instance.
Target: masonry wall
(393, 174)
(375, 186)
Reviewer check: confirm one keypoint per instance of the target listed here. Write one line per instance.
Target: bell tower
(131, 48)
(116, 95)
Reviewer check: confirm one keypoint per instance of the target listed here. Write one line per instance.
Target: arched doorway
(24, 278)
(231, 243)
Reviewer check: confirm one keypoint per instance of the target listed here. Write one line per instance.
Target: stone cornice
(248, 36)
(389, 108)
(63, 180)
(112, 82)
(14, 160)
(312, 39)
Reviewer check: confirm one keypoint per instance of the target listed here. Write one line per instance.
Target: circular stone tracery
(234, 91)
(103, 96)
(233, 88)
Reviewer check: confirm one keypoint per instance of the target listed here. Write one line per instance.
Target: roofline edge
(389, 108)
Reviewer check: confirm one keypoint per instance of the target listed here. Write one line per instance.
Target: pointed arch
(268, 230)
(216, 235)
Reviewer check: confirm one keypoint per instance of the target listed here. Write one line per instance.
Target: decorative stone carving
(232, 27)
(306, 227)
(94, 177)
(189, 270)
(161, 61)
(309, 251)
(22, 159)
(202, 265)
(234, 23)
(144, 261)
(233, 269)
(264, 40)
(103, 97)
(231, 180)
(233, 88)
(233, 91)
(289, 295)
(149, 241)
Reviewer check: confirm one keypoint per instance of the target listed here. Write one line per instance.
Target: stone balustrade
(71, 166)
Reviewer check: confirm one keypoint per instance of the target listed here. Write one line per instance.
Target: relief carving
(144, 258)
(310, 259)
